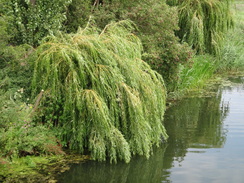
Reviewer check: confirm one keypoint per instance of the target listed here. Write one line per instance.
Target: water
(206, 144)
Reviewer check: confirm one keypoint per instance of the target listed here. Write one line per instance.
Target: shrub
(24, 138)
(19, 136)
(11, 109)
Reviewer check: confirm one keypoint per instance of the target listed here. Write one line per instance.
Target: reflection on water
(138, 170)
(206, 144)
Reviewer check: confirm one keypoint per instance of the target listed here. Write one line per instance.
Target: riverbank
(37, 169)
(208, 68)
(205, 144)
(44, 169)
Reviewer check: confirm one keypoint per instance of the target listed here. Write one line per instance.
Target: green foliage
(16, 64)
(24, 138)
(31, 20)
(3, 32)
(4, 36)
(156, 24)
(203, 67)
(18, 135)
(231, 57)
(203, 23)
(103, 11)
(16, 138)
(11, 108)
(196, 74)
(112, 102)
(78, 13)
(15, 61)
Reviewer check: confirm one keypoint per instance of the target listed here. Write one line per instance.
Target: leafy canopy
(32, 20)
(156, 25)
(203, 23)
(110, 101)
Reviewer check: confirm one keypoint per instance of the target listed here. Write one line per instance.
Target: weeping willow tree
(112, 102)
(203, 23)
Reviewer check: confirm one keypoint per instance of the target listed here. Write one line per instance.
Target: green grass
(196, 75)
(232, 58)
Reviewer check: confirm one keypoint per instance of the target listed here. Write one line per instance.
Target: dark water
(206, 144)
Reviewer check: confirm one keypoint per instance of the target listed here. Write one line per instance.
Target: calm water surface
(206, 144)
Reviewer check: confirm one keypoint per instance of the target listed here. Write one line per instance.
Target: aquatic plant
(195, 75)
(110, 102)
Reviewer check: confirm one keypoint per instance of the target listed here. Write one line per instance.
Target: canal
(206, 144)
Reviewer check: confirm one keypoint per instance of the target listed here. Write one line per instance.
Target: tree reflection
(138, 170)
(195, 123)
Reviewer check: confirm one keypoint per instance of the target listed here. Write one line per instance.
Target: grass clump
(111, 103)
(196, 74)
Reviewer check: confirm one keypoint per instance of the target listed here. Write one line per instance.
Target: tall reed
(196, 75)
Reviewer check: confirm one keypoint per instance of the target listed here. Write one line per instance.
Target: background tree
(15, 65)
(203, 23)
(33, 20)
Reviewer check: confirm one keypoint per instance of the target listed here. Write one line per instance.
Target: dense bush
(4, 36)
(15, 61)
(17, 69)
(156, 23)
(25, 138)
(18, 135)
(78, 13)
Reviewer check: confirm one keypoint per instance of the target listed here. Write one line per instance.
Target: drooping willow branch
(203, 23)
(112, 102)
